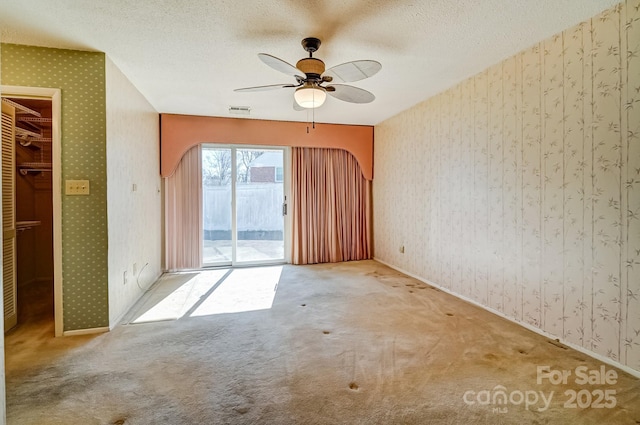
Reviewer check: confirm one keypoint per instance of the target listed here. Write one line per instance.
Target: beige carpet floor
(348, 343)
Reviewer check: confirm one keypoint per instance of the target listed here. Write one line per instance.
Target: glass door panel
(259, 204)
(217, 206)
(242, 201)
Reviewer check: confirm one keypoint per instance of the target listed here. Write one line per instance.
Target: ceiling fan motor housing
(313, 67)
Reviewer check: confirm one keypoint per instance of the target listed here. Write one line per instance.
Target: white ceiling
(186, 57)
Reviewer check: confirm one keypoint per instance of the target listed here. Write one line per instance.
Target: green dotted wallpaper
(81, 78)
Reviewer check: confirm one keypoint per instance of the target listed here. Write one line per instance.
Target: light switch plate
(76, 187)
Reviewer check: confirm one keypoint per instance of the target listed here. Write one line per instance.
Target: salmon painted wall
(181, 132)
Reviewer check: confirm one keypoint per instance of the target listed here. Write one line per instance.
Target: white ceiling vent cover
(239, 110)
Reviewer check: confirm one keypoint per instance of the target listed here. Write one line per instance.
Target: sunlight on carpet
(209, 292)
(247, 289)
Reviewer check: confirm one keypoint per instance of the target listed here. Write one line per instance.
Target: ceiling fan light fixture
(310, 96)
(310, 74)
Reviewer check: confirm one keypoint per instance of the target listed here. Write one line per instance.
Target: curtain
(330, 207)
(183, 213)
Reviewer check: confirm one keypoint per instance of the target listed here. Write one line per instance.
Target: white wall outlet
(76, 187)
(125, 277)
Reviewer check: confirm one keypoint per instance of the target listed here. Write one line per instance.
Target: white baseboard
(532, 328)
(89, 331)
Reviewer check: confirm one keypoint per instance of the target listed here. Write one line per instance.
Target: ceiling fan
(310, 75)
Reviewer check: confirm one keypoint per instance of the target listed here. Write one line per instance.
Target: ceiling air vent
(239, 110)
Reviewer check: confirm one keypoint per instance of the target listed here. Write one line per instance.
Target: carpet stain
(521, 351)
(120, 421)
(490, 356)
(241, 410)
(353, 386)
(449, 314)
(303, 305)
(411, 292)
(326, 332)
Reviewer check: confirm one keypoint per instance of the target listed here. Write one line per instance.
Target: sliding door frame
(286, 187)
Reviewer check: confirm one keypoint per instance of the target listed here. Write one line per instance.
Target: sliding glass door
(243, 205)
(259, 203)
(217, 206)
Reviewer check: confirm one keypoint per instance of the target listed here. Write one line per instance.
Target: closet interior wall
(34, 203)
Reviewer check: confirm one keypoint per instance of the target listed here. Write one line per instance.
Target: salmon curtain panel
(183, 213)
(330, 207)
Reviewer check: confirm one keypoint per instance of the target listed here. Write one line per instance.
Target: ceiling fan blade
(349, 72)
(280, 65)
(350, 93)
(265, 88)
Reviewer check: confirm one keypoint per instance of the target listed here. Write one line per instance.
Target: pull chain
(313, 119)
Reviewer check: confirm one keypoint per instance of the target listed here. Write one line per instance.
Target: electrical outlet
(125, 277)
(402, 249)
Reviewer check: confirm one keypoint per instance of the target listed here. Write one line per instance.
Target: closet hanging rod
(34, 167)
(25, 171)
(21, 132)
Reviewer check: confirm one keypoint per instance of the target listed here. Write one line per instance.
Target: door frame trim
(54, 95)
(286, 187)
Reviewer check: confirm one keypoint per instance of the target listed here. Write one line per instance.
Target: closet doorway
(31, 195)
(243, 205)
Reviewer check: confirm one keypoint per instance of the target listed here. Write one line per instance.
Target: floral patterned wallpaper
(134, 207)
(520, 187)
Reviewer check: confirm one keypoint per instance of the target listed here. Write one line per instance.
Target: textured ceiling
(186, 57)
